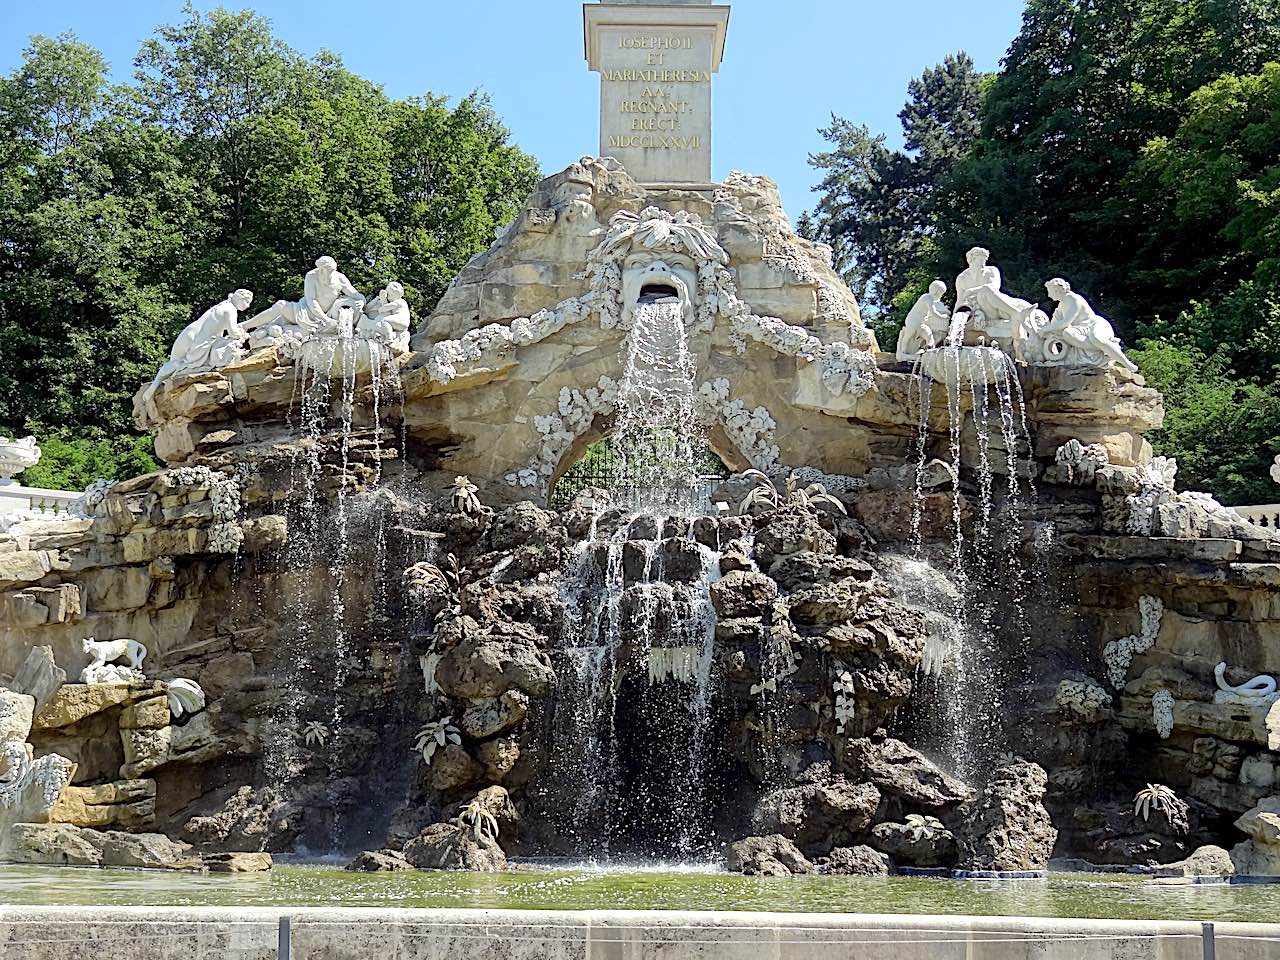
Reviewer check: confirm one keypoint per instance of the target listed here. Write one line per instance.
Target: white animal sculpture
(1261, 689)
(106, 651)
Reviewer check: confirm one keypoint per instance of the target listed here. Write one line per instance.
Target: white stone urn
(16, 456)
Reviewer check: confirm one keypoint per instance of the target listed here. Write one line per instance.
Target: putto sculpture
(926, 325)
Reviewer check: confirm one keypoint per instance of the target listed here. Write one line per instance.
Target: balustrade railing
(14, 498)
(1263, 515)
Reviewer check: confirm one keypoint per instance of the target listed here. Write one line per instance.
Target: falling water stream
(973, 593)
(637, 656)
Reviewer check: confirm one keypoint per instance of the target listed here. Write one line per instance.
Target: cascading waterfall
(328, 375)
(976, 608)
(638, 636)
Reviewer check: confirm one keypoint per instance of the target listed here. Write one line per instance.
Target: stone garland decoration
(1119, 654)
(1156, 480)
(575, 410)
(225, 535)
(843, 369)
(1162, 712)
(750, 430)
(1081, 461)
(492, 339)
(51, 772)
(1084, 699)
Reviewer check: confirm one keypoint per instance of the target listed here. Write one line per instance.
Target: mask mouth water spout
(657, 292)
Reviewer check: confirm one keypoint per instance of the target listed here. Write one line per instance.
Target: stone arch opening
(589, 460)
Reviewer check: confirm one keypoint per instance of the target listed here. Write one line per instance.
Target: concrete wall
(249, 933)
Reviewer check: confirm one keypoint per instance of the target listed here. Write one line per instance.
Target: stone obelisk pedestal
(655, 62)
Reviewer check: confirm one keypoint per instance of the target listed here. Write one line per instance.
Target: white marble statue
(926, 325)
(386, 318)
(990, 310)
(211, 341)
(1077, 336)
(329, 304)
(102, 670)
(1275, 469)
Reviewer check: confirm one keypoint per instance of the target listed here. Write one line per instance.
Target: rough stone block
(145, 750)
(16, 712)
(39, 677)
(145, 714)
(75, 701)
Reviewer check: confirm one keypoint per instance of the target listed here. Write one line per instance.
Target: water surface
(592, 888)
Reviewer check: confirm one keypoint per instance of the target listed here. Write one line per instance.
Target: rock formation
(365, 628)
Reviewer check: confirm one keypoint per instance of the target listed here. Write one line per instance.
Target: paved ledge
(251, 933)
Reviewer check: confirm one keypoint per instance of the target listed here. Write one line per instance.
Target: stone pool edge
(241, 933)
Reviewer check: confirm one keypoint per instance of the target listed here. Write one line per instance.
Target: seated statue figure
(991, 311)
(386, 318)
(927, 323)
(1077, 336)
(326, 294)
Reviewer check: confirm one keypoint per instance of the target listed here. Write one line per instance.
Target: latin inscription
(654, 117)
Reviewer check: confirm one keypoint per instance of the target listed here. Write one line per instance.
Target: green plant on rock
(764, 496)
(434, 735)
(315, 734)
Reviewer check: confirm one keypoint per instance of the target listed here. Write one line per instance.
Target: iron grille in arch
(602, 466)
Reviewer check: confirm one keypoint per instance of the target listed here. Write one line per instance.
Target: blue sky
(788, 63)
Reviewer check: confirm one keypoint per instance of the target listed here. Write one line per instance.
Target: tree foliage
(230, 160)
(1133, 147)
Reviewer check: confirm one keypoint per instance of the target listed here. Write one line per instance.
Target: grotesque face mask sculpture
(659, 274)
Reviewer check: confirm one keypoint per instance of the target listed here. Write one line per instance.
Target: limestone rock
(742, 593)
(1260, 854)
(860, 861)
(499, 757)
(480, 667)
(141, 850)
(16, 712)
(62, 843)
(1006, 827)
(771, 856)
(919, 842)
(452, 767)
(378, 861)
(237, 862)
(902, 773)
(485, 718)
(52, 843)
(249, 820)
(149, 714)
(1111, 833)
(1206, 861)
(125, 803)
(75, 701)
(819, 816)
(39, 676)
(449, 846)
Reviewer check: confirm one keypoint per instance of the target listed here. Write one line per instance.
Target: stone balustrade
(1264, 515)
(14, 497)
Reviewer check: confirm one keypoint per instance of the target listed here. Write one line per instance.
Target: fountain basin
(956, 366)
